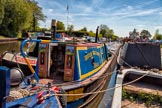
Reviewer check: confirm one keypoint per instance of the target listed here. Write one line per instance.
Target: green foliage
(107, 32)
(19, 15)
(74, 33)
(156, 33)
(157, 36)
(141, 96)
(149, 99)
(70, 29)
(124, 94)
(37, 15)
(44, 29)
(83, 29)
(79, 33)
(37, 11)
(60, 25)
(114, 37)
(99, 35)
(103, 30)
(1, 10)
(16, 17)
(145, 34)
(90, 33)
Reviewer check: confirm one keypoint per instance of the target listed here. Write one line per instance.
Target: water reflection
(10, 46)
(15, 46)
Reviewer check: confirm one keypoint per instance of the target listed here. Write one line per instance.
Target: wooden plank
(137, 89)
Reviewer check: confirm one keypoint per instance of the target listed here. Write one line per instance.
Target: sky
(120, 15)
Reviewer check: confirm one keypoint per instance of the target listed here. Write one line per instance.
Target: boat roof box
(143, 55)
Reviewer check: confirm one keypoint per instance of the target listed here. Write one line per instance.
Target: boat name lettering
(87, 56)
(22, 60)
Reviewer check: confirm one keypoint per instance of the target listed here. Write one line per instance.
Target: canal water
(13, 46)
(10, 46)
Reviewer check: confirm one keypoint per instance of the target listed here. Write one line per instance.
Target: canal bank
(6, 40)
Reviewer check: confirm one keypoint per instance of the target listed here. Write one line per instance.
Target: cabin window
(70, 54)
(42, 57)
(69, 61)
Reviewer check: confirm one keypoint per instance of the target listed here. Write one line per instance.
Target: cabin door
(69, 63)
(57, 59)
(43, 59)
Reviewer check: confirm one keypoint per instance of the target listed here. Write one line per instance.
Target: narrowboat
(139, 74)
(77, 69)
(13, 59)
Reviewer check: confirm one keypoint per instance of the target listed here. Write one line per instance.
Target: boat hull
(95, 83)
(11, 60)
(140, 65)
(82, 83)
(32, 102)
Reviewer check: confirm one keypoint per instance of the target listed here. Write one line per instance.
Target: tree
(70, 29)
(159, 37)
(145, 34)
(83, 29)
(1, 10)
(60, 25)
(110, 33)
(156, 34)
(114, 37)
(19, 15)
(90, 33)
(100, 35)
(37, 15)
(103, 30)
(16, 17)
(106, 32)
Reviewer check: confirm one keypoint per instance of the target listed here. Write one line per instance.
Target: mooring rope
(101, 91)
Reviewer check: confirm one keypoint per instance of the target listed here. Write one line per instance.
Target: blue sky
(120, 15)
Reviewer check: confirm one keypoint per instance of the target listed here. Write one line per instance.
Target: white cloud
(121, 15)
(129, 8)
(146, 3)
(158, 27)
(50, 10)
(136, 13)
(146, 12)
(97, 2)
(140, 25)
(160, 13)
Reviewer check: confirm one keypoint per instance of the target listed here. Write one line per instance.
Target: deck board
(144, 87)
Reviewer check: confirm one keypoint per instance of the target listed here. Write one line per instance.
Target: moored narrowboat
(77, 69)
(139, 75)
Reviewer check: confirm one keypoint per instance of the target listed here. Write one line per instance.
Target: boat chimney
(53, 36)
(96, 39)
